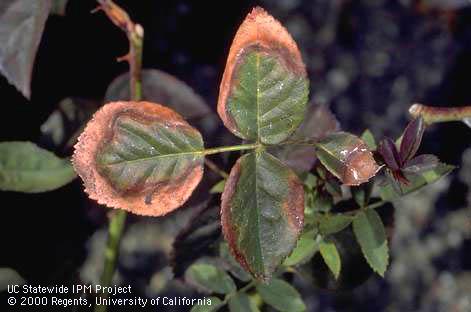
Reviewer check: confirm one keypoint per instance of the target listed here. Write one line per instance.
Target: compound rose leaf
(21, 27)
(264, 89)
(139, 156)
(347, 157)
(262, 212)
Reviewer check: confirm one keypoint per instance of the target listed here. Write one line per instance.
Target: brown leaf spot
(262, 32)
(157, 202)
(360, 166)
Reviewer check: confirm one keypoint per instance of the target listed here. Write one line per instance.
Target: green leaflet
(209, 277)
(371, 236)
(306, 247)
(143, 155)
(267, 101)
(25, 167)
(242, 303)
(368, 137)
(388, 193)
(262, 212)
(281, 295)
(331, 256)
(330, 224)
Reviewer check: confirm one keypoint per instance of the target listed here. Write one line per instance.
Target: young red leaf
(347, 157)
(262, 212)
(387, 149)
(411, 139)
(264, 88)
(139, 156)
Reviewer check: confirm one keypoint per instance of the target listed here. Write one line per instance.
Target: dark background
(367, 60)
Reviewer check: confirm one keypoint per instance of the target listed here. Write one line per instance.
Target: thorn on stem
(126, 58)
(97, 9)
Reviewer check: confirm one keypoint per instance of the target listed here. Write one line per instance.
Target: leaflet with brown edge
(139, 156)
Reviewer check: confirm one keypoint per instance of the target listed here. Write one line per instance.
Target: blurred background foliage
(368, 60)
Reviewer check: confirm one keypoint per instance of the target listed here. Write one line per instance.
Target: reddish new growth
(403, 161)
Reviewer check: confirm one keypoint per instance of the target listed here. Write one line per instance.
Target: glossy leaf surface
(209, 278)
(347, 157)
(25, 167)
(262, 212)
(371, 236)
(21, 27)
(264, 89)
(139, 156)
(281, 295)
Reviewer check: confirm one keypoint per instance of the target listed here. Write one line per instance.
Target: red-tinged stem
(432, 114)
(135, 34)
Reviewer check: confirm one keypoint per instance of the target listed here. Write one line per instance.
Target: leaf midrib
(259, 239)
(257, 97)
(156, 157)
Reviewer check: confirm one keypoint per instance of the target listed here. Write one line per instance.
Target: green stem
(117, 221)
(240, 290)
(115, 232)
(211, 165)
(222, 149)
(371, 206)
